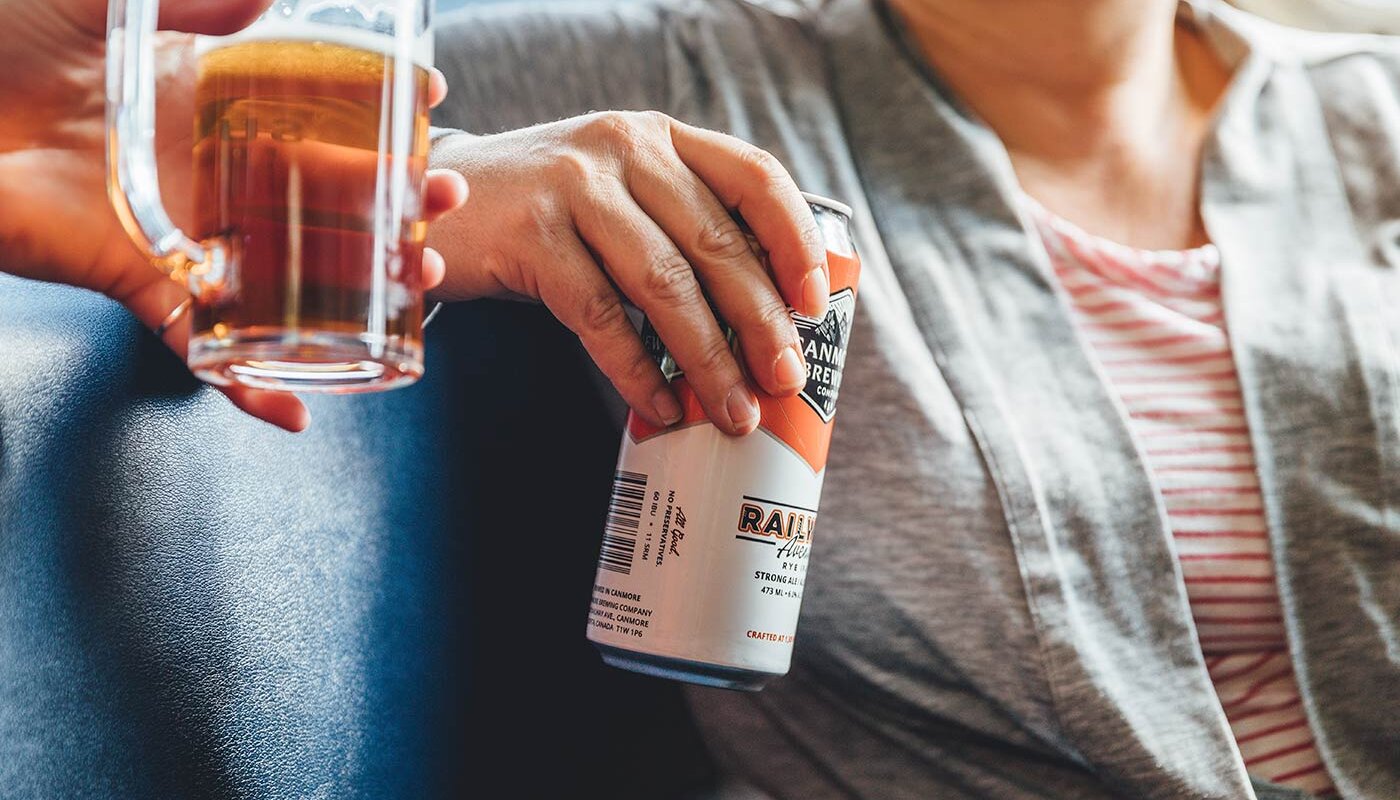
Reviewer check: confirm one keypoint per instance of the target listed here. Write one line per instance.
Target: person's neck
(1103, 108)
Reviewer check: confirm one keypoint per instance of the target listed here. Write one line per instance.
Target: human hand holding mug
(57, 223)
(305, 253)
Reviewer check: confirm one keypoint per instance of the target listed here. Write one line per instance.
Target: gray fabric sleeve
(514, 65)
(435, 133)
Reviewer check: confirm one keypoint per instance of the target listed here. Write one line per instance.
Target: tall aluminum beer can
(707, 539)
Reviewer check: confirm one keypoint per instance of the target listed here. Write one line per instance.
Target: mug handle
(132, 180)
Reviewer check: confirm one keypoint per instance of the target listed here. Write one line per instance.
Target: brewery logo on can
(707, 538)
(824, 348)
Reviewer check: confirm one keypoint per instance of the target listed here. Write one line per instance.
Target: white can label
(706, 565)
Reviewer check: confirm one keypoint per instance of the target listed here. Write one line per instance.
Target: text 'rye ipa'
(705, 549)
(297, 140)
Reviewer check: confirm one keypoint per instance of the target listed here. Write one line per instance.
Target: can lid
(826, 202)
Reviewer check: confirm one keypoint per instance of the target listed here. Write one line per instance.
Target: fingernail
(742, 408)
(667, 409)
(788, 372)
(816, 291)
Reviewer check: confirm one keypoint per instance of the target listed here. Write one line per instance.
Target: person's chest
(991, 547)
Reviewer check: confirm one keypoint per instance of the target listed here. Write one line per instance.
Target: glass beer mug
(304, 244)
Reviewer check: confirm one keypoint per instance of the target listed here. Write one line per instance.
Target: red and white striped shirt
(1155, 322)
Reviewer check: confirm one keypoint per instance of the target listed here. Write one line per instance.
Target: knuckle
(762, 166)
(639, 369)
(630, 135)
(603, 313)
(655, 118)
(655, 128)
(573, 168)
(774, 317)
(670, 279)
(723, 241)
(614, 127)
(765, 324)
(715, 356)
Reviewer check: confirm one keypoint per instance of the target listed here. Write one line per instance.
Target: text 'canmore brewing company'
(707, 538)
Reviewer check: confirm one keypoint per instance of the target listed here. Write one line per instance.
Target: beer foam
(273, 30)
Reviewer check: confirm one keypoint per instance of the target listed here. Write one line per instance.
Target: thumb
(212, 17)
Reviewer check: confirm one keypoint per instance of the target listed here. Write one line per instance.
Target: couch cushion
(193, 603)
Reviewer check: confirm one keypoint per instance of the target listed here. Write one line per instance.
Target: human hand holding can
(707, 539)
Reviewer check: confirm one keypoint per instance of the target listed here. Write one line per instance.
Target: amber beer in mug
(305, 246)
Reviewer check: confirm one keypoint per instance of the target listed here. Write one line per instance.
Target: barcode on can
(624, 519)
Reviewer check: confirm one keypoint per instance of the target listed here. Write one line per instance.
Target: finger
(755, 184)
(151, 297)
(345, 176)
(444, 191)
(283, 409)
(730, 271)
(157, 302)
(211, 17)
(656, 276)
(437, 87)
(576, 290)
(434, 269)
